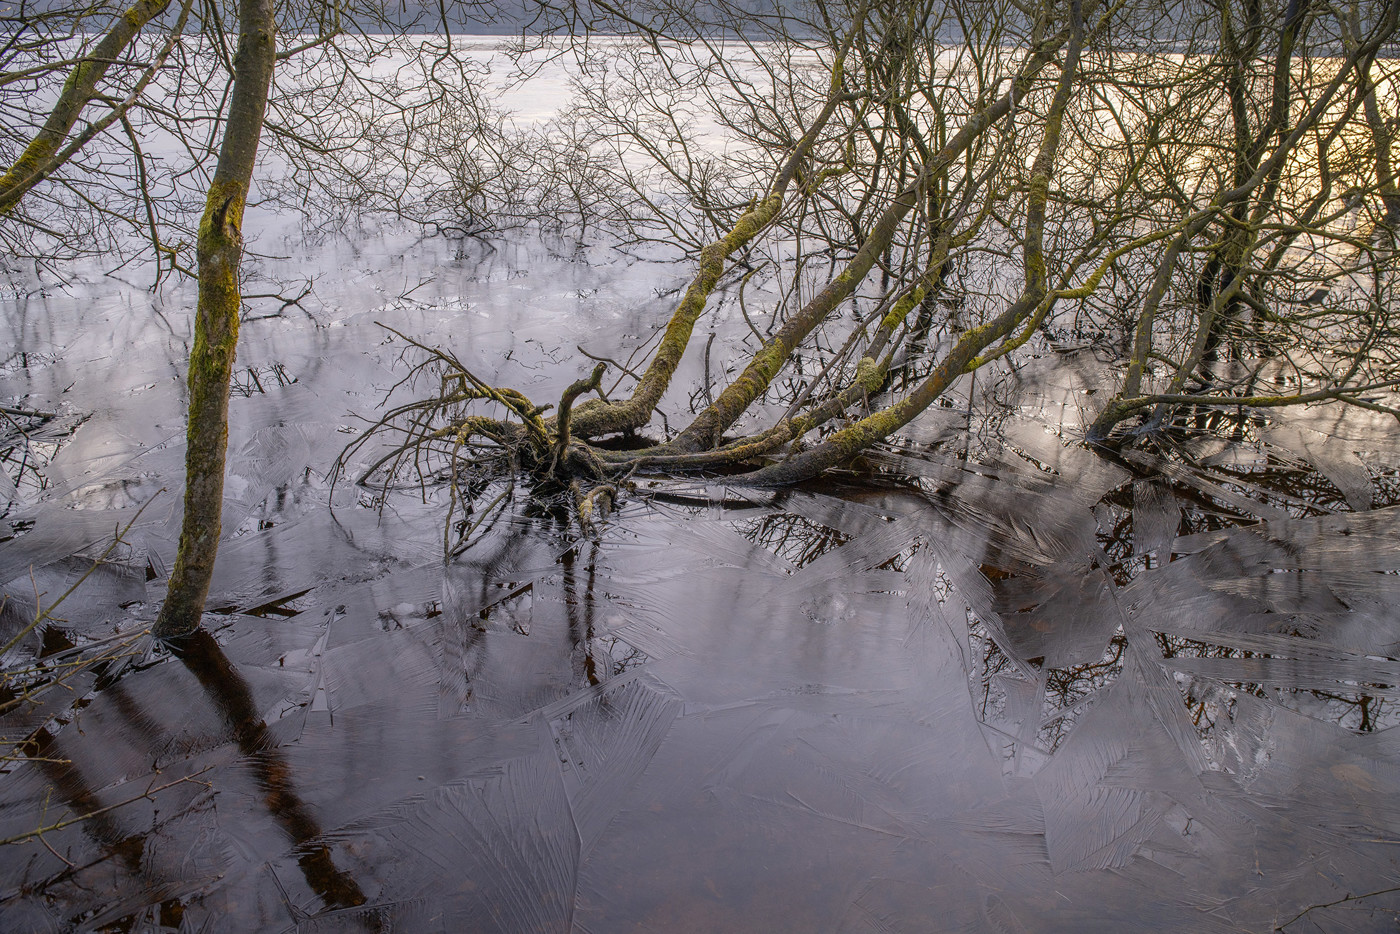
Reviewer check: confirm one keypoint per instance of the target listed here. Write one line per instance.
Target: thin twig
(40, 831)
(1340, 901)
(42, 615)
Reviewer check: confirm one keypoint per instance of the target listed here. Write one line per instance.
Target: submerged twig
(1341, 901)
(40, 614)
(596, 503)
(68, 822)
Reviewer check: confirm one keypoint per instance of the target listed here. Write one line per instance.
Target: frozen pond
(1024, 689)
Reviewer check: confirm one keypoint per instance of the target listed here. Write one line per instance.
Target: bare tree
(220, 254)
(67, 186)
(916, 191)
(82, 115)
(931, 187)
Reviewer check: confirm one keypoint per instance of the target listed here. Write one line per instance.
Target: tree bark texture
(220, 250)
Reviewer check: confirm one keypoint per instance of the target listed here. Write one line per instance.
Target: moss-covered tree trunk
(220, 250)
(41, 156)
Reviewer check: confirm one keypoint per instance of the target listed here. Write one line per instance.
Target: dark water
(1022, 689)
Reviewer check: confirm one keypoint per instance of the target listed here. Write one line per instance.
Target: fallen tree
(1207, 187)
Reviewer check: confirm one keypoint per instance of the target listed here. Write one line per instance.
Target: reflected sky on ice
(1024, 689)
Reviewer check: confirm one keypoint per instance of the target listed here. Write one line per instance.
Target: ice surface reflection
(1007, 686)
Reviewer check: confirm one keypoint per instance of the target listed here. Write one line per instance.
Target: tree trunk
(42, 155)
(220, 249)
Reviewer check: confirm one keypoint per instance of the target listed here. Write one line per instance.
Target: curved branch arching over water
(1114, 178)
